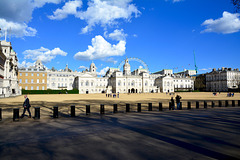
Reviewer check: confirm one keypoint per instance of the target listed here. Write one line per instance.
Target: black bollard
(189, 105)
(219, 103)
(0, 114)
(205, 104)
(101, 108)
(238, 102)
(139, 107)
(180, 105)
(226, 103)
(115, 109)
(55, 112)
(16, 114)
(170, 105)
(73, 114)
(37, 113)
(233, 103)
(127, 107)
(197, 104)
(87, 109)
(149, 106)
(213, 104)
(160, 106)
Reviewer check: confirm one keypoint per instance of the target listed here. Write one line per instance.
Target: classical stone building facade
(114, 81)
(33, 78)
(137, 81)
(223, 79)
(8, 71)
(63, 79)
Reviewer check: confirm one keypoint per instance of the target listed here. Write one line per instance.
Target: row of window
(59, 75)
(37, 88)
(61, 84)
(32, 74)
(61, 79)
(181, 80)
(32, 81)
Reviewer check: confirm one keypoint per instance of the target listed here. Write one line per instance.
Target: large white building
(62, 79)
(174, 82)
(223, 79)
(8, 71)
(114, 81)
(137, 81)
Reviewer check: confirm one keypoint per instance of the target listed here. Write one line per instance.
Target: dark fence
(150, 107)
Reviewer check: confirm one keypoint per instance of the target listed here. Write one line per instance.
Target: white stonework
(57, 80)
(223, 79)
(183, 83)
(115, 81)
(187, 73)
(137, 81)
(8, 71)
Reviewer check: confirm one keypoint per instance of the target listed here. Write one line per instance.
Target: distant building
(33, 78)
(186, 72)
(38, 77)
(8, 71)
(137, 81)
(165, 72)
(60, 80)
(223, 79)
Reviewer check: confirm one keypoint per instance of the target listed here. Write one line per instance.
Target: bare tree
(236, 4)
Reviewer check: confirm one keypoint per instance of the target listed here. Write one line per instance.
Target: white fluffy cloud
(40, 3)
(106, 12)
(111, 60)
(103, 71)
(101, 49)
(44, 54)
(99, 12)
(16, 29)
(70, 8)
(229, 23)
(25, 64)
(205, 69)
(117, 35)
(82, 67)
(16, 14)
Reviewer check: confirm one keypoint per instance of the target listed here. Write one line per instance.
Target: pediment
(87, 75)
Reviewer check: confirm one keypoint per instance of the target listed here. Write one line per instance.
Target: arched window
(81, 83)
(92, 83)
(119, 83)
(87, 83)
(133, 83)
(146, 83)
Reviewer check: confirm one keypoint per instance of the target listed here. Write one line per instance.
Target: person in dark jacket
(178, 101)
(172, 104)
(26, 106)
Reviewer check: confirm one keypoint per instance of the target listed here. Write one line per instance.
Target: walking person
(172, 104)
(26, 106)
(178, 101)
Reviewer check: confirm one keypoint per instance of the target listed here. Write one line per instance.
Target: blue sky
(162, 33)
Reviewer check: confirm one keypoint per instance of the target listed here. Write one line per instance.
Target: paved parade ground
(186, 134)
(211, 133)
